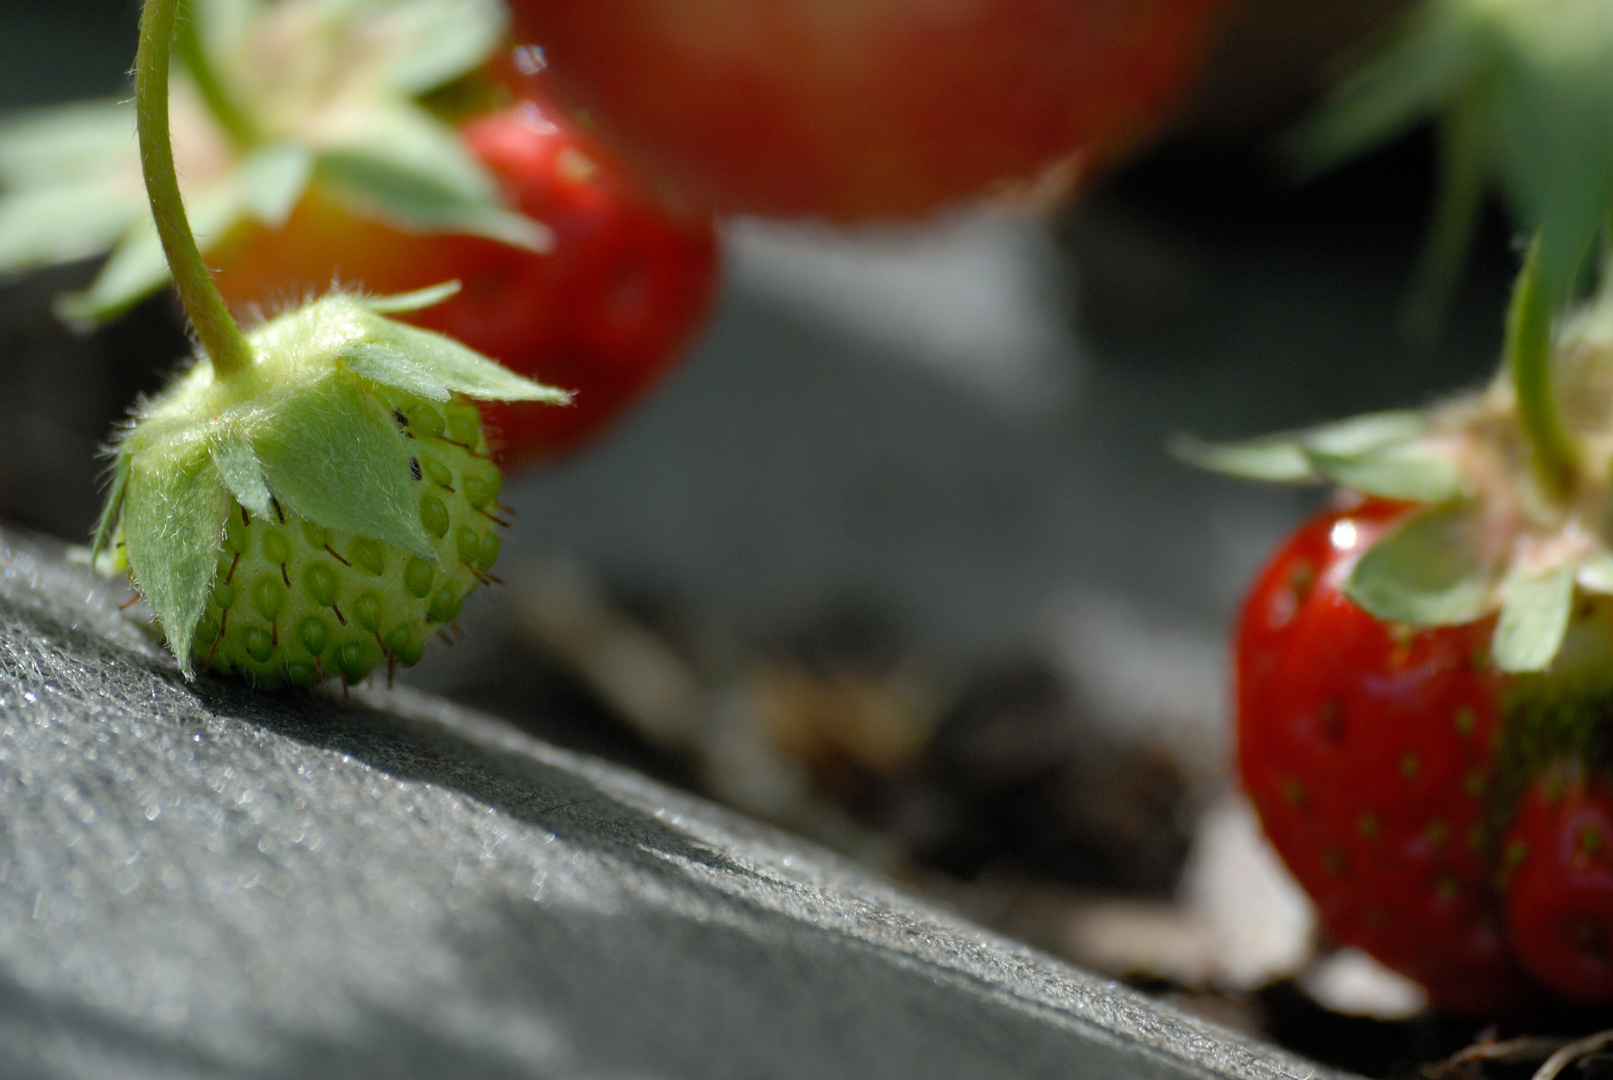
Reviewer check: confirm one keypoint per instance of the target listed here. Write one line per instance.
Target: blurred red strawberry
(888, 108)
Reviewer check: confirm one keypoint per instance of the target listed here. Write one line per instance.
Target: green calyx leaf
(1525, 93)
(1385, 454)
(1434, 569)
(273, 179)
(69, 186)
(106, 524)
(1535, 609)
(242, 473)
(458, 368)
(334, 455)
(172, 520)
(328, 90)
(419, 300)
(138, 267)
(1403, 472)
(410, 170)
(440, 40)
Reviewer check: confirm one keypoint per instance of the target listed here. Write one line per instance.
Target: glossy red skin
(855, 109)
(1560, 896)
(1366, 751)
(605, 314)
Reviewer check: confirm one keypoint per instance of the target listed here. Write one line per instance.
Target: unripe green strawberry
(323, 512)
(295, 601)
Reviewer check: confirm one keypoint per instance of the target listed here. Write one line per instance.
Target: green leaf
(440, 40)
(1464, 173)
(1404, 471)
(238, 466)
(106, 524)
(273, 180)
(333, 453)
(1535, 607)
(72, 143)
(173, 522)
(390, 367)
(410, 170)
(461, 369)
(40, 226)
(1436, 51)
(1432, 570)
(1553, 95)
(138, 267)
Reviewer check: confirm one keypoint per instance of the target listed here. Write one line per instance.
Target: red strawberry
(880, 108)
(1559, 860)
(1367, 750)
(604, 314)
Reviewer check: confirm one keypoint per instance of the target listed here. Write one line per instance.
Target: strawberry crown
(1511, 486)
(304, 426)
(1523, 93)
(273, 96)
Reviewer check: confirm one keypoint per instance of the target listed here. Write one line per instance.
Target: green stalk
(1528, 357)
(242, 132)
(221, 339)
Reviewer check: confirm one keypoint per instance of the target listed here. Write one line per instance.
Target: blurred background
(898, 558)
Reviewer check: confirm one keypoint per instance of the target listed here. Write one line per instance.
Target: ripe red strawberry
(1558, 857)
(880, 108)
(605, 313)
(1367, 750)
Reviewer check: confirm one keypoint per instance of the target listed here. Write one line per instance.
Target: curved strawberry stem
(215, 95)
(1528, 357)
(221, 339)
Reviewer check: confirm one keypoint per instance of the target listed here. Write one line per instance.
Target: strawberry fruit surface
(1368, 752)
(1558, 859)
(295, 601)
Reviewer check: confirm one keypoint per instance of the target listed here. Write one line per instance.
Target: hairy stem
(1528, 356)
(221, 339)
(242, 132)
